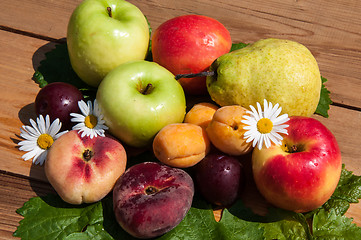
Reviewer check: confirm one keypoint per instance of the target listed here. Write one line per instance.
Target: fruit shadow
(39, 54)
(36, 177)
(252, 206)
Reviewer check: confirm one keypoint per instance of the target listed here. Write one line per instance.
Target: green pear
(280, 71)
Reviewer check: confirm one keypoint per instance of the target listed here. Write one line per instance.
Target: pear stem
(192, 75)
(109, 9)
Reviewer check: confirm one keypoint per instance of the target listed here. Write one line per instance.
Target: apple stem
(147, 89)
(109, 9)
(87, 155)
(192, 75)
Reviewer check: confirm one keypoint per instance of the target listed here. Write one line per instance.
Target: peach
(150, 199)
(84, 170)
(181, 144)
(201, 114)
(226, 132)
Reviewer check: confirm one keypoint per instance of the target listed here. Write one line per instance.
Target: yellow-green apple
(84, 170)
(189, 44)
(150, 199)
(103, 34)
(138, 99)
(301, 174)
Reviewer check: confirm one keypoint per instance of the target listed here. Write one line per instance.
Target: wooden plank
(17, 95)
(14, 192)
(330, 29)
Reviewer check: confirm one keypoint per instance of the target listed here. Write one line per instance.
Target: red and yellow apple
(84, 170)
(301, 174)
(189, 44)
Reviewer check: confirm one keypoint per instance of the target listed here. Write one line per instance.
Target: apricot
(201, 114)
(181, 145)
(226, 132)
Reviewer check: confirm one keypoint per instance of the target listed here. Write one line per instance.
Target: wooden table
(30, 28)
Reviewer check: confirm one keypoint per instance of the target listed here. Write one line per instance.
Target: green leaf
(51, 218)
(239, 222)
(56, 67)
(92, 232)
(149, 56)
(198, 224)
(328, 225)
(286, 225)
(236, 46)
(347, 191)
(325, 100)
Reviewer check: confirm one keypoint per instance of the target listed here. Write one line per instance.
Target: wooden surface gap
(346, 106)
(30, 34)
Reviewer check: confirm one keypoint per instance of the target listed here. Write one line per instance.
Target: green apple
(139, 98)
(103, 34)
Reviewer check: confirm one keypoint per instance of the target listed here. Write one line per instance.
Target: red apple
(150, 199)
(302, 174)
(189, 44)
(84, 170)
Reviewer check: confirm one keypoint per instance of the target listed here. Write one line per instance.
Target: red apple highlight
(150, 199)
(84, 170)
(302, 174)
(189, 44)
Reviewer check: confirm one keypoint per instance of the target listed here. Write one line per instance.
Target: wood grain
(15, 192)
(330, 29)
(17, 95)
(30, 28)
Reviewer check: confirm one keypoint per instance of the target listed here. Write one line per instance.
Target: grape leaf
(325, 100)
(347, 191)
(329, 225)
(239, 222)
(51, 218)
(236, 46)
(198, 224)
(286, 225)
(92, 232)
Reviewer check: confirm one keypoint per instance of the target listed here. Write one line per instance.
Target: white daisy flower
(39, 138)
(262, 127)
(90, 122)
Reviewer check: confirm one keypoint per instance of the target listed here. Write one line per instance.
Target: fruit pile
(142, 105)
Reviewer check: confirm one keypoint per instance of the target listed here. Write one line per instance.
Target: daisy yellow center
(91, 121)
(45, 141)
(264, 125)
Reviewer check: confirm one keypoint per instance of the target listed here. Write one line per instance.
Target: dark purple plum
(58, 100)
(219, 179)
(150, 199)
